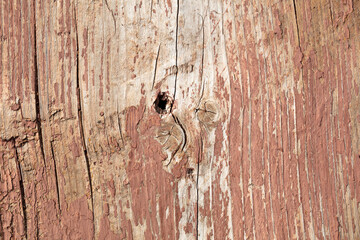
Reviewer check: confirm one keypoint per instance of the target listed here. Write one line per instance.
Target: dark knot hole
(162, 103)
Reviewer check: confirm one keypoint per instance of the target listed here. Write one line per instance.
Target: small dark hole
(189, 171)
(161, 103)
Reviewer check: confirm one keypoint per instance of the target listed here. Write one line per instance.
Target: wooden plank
(179, 119)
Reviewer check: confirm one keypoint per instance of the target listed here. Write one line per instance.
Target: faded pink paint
(279, 162)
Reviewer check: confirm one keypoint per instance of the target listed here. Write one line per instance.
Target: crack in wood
(37, 98)
(81, 127)
(202, 63)
(22, 189)
(38, 116)
(56, 176)
(176, 51)
(197, 187)
(297, 25)
(155, 68)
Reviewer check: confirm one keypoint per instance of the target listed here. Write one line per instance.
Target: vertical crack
(37, 98)
(197, 187)
(202, 64)
(56, 175)
(156, 62)
(80, 117)
(22, 190)
(37, 120)
(297, 25)
(176, 51)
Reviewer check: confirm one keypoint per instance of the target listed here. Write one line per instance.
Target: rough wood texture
(260, 138)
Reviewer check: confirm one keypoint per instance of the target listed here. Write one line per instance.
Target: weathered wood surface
(262, 141)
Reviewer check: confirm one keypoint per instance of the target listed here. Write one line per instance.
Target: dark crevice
(11, 224)
(156, 61)
(176, 50)
(37, 92)
(297, 26)
(202, 64)
(197, 187)
(38, 117)
(22, 189)
(80, 117)
(56, 175)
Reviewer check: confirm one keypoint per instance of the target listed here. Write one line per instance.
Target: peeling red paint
(272, 155)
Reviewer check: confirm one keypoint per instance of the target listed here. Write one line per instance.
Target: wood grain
(259, 136)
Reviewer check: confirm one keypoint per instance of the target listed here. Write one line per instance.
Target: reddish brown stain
(77, 221)
(286, 89)
(105, 232)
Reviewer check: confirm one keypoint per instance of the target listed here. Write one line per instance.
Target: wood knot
(170, 136)
(163, 103)
(208, 113)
